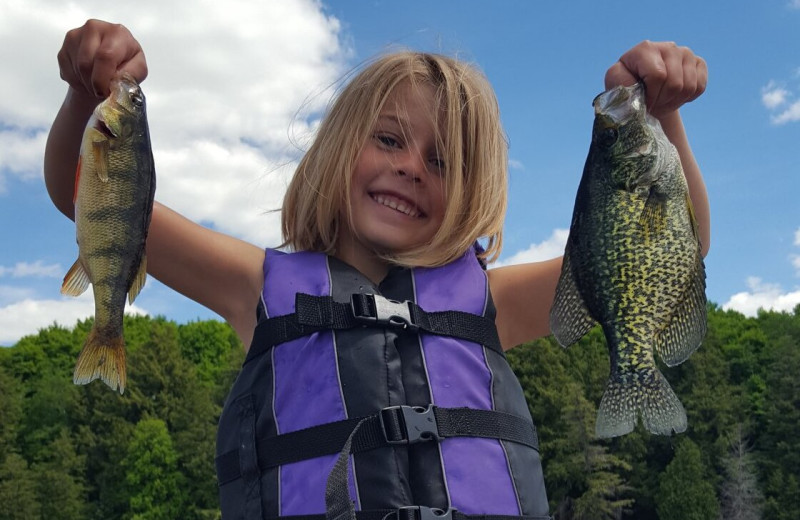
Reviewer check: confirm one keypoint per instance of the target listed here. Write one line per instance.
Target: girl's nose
(412, 166)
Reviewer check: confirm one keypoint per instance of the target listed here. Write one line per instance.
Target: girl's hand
(93, 53)
(672, 75)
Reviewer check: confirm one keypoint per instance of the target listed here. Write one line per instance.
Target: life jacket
(395, 400)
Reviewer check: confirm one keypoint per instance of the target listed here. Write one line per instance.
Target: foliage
(81, 452)
(740, 495)
(743, 378)
(70, 452)
(684, 491)
(151, 473)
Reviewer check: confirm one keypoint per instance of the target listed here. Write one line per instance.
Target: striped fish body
(114, 193)
(633, 264)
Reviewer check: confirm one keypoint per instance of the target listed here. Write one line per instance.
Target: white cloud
(762, 295)
(552, 247)
(29, 315)
(37, 269)
(796, 258)
(794, 4)
(777, 99)
(772, 96)
(792, 113)
(232, 87)
(21, 153)
(514, 164)
(235, 90)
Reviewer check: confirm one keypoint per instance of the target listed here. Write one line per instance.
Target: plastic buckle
(388, 313)
(419, 424)
(424, 513)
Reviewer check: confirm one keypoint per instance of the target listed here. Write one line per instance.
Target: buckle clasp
(424, 513)
(417, 424)
(387, 313)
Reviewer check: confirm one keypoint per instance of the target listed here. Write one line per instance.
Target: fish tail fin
(661, 410)
(102, 358)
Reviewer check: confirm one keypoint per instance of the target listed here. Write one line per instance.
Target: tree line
(75, 452)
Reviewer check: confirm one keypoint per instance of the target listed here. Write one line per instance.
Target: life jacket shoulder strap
(317, 313)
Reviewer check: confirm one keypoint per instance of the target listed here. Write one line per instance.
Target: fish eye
(137, 98)
(607, 137)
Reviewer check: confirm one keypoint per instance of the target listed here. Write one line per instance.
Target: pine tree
(740, 496)
(685, 492)
(60, 482)
(17, 490)
(604, 496)
(11, 406)
(151, 473)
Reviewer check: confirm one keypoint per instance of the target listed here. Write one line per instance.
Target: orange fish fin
(102, 358)
(138, 282)
(100, 151)
(76, 281)
(77, 179)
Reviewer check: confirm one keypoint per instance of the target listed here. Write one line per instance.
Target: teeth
(396, 205)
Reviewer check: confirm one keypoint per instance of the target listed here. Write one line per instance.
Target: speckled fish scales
(633, 264)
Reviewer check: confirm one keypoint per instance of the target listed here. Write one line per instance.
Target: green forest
(75, 452)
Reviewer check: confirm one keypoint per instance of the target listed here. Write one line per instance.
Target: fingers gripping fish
(114, 190)
(633, 264)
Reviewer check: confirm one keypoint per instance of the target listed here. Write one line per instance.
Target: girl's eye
(438, 164)
(387, 141)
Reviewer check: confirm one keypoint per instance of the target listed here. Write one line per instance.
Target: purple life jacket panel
(333, 375)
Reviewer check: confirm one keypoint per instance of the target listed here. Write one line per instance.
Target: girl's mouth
(397, 204)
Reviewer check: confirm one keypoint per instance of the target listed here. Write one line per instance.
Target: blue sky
(236, 89)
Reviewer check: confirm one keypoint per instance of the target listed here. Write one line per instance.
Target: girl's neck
(366, 262)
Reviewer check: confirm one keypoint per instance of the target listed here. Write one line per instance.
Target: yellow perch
(114, 191)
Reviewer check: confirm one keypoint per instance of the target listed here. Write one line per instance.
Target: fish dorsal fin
(570, 320)
(138, 281)
(76, 281)
(687, 327)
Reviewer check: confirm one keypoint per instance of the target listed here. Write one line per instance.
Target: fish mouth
(620, 103)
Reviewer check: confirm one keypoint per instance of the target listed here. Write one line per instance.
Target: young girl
(376, 335)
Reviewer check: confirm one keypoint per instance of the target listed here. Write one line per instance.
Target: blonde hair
(475, 154)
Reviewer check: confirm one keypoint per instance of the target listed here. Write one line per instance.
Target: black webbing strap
(395, 425)
(339, 506)
(318, 313)
(416, 513)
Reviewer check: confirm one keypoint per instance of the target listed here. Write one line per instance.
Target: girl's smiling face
(397, 189)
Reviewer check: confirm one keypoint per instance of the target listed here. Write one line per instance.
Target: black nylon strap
(416, 513)
(339, 506)
(390, 426)
(317, 313)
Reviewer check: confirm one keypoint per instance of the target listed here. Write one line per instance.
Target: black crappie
(113, 202)
(633, 264)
